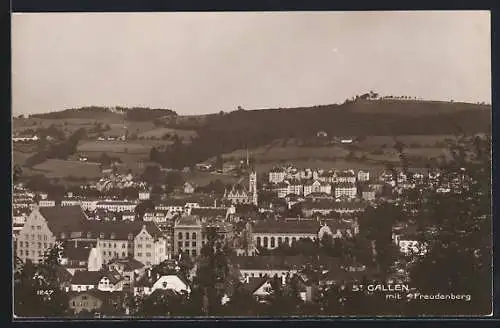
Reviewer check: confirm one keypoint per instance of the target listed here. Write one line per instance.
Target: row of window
(140, 245)
(106, 245)
(116, 254)
(39, 244)
(147, 254)
(28, 253)
(39, 237)
(186, 244)
(36, 227)
(83, 304)
(193, 235)
(273, 241)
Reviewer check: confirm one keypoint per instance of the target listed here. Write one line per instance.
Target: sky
(197, 63)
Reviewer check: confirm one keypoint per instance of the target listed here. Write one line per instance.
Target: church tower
(252, 188)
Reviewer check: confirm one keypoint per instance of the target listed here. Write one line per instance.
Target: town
(291, 224)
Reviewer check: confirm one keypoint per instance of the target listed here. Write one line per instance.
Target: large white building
(317, 187)
(345, 190)
(150, 247)
(277, 175)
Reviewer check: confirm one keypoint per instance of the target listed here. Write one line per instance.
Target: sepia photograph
(311, 164)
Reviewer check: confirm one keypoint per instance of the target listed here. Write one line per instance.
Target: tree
(173, 179)
(459, 251)
(17, 173)
(142, 208)
(151, 175)
(37, 288)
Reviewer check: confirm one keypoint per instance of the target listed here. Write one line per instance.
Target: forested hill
(227, 132)
(96, 112)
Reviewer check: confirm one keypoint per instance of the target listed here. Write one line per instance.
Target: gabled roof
(63, 218)
(120, 230)
(129, 264)
(255, 283)
(188, 220)
(209, 212)
(76, 253)
(87, 277)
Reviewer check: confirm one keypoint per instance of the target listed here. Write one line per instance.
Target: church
(240, 194)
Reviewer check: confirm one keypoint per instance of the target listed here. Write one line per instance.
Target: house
(321, 134)
(317, 187)
(96, 301)
(318, 206)
(116, 206)
(47, 203)
(44, 226)
(349, 207)
(277, 175)
(150, 246)
(281, 189)
(367, 193)
(148, 285)
(408, 240)
(85, 280)
(75, 258)
(346, 177)
(296, 187)
(345, 190)
(130, 269)
(144, 194)
(363, 176)
(188, 235)
(189, 188)
(111, 281)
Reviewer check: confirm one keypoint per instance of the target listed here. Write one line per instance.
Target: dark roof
(63, 218)
(209, 212)
(76, 253)
(298, 226)
(120, 230)
(254, 283)
(128, 264)
(87, 277)
(270, 262)
(344, 185)
(188, 221)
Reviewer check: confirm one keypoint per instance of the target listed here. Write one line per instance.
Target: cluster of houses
(106, 255)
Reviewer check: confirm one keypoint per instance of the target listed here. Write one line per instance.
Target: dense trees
(37, 291)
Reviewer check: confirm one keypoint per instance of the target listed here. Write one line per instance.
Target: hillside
(224, 133)
(95, 112)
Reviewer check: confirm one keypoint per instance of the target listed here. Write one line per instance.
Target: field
(113, 146)
(20, 157)
(160, 132)
(60, 168)
(389, 141)
(204, 178)
(279, 153)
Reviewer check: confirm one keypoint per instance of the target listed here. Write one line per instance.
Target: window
(44, 245)
(272, 242)
(124, 246)
(179, 244)
(45, 237)
(180, 235)
(38, 228)
(148, 254)
(148, 245)
(20, 244)
(193, 235)
(39, 245)
(21, 252)
(280, 240)
(265, 242)
(186, 244)
(39, 237)
(287, 240)
(74, 304)
(32, 227)
(187, 235)
(123, 254)
(109, 253)
(294, 239)
(193, 252)
(39, 253)
(139, 245)
(114, 245)
(193, 243)
(33, 236)
(139, 254)
(258, 241)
